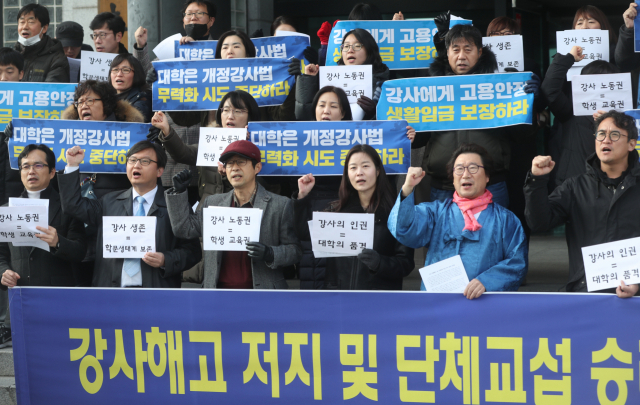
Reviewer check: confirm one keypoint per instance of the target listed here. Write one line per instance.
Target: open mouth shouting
(136, 174)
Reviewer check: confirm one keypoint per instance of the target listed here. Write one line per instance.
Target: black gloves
(370, 258)
(8, 130)
(442, 23)
(368, 106)
(294, 67)
(181, 181)
(153, 134)
(311, 55)
(260, 251)
(152, 76)
(257, 33)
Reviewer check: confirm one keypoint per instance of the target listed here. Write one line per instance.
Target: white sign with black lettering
(213, 141)
(508, 50)
(345, 233)
(318, 254)
(31, 202)
(601, 92)
(356, 81)
(228, 228)
(594, 44)
(95, 65)
(128, 237)
(18, 224)
(605, 265)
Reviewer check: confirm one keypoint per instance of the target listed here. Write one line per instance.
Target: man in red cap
(260, 266)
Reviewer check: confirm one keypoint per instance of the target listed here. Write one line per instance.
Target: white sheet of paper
(289, 34)
(95, 65)
(508, 50)
(213, 141)
(574, 71)
(31, 202)
(594, 44)
(608, 263)
(128, 237)
(447, 275)
(167, 48)
(18, 224)
(356, 81)
(601, 92)
(318, 254)
(229, 228)
(356, 112)
(339, 232)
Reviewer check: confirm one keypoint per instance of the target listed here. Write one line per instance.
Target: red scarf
(470, 208)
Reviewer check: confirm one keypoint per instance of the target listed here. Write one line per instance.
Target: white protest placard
(508, 50)
(128, 237)
(594, 44)
(446, 275)
(318, 254)
(18, 224)
(574, 71)
(356, 81)
(95, 65)
(344, 233)
(601, 92)
(228, 228)
(608, 263)
(213, 142)
(31, 202)
(167, 48)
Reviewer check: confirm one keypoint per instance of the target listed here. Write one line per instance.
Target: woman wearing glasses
(127, 77)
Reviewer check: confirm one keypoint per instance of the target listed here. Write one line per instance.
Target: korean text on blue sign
(403, 44)
(457, 102)
(297, 347)
(105, 142)
(320, 147)
(33, 100)
(201, 84)
(266, 47)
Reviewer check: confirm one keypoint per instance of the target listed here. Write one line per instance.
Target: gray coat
(276, 230)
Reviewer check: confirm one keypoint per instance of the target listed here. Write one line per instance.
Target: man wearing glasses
(259, 267)
(488, 237)
(596, 207)
(160, 269)
(31, 266)
(108, 30)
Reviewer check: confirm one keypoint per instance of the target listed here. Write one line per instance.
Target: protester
(283, 23)
(108, 30)
(127, 77)
(597, 206)
(364, 189)
(626, 57)
(71, 36)
(488, 237)
(260, 266)
(44, 59)
(592, 18)
(28, 266)
(159, 269)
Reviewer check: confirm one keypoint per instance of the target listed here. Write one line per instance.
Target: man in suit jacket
(260, 266)
(160, 269)
(32, 266)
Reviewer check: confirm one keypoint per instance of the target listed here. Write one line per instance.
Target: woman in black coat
(126, 76)
(364, 189)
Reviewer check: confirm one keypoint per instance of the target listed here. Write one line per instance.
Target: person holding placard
(260, 267)
(127, 77)
(32, 266)
(488, 237)
(161, 268)
(365, 188)
(592, 18)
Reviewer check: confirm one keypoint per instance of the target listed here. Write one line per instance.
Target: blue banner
(320, 147)
(635, 114)
(106, 346)
(403, 44)
(266, 47)
(33, 100)
(105, 143)
(457, 102)
(201, 84)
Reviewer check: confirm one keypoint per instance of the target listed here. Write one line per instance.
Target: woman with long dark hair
(365, 188)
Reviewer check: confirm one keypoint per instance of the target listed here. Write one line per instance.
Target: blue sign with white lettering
(33, 100)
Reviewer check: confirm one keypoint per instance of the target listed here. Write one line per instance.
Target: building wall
(10, 10)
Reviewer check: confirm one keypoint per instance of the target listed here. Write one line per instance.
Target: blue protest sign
(636, 35)
(320, 147)
(33, 100)
(635, 114)
(105, 142)
(106, 346)
(201, 84)
(457, 102)
(403, 44)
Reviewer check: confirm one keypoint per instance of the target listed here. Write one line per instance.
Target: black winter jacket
(627, 59)
(44, 61)
(140, 99)
(592, 209)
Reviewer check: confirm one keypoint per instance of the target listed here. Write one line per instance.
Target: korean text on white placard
(605, 265)
(213, 141)
(342, 232)
(508, 50)
(356, 81)
(95, 65)
(18, 224)
(128, 237)
(227, 228)
(594, 44)
(601, 92)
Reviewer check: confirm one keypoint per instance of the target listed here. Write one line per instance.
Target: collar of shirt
(148, 199)
(251, 199)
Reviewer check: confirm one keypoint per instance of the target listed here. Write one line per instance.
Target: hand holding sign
(542, 165)
(474, 289)
(576, 51)
(305, 185)
(75, 156)
(626, 291)
(154, 259)
(49, 235)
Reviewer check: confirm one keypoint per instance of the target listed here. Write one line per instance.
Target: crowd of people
(476, 207)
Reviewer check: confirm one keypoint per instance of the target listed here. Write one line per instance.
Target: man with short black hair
(108, 30)
(596, 207)
(44, 59)
(160, 269)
